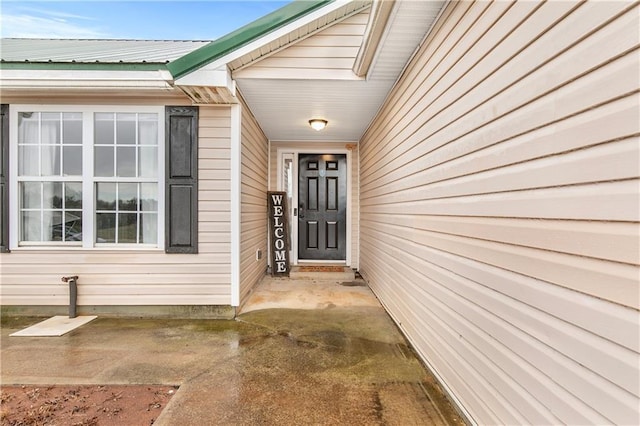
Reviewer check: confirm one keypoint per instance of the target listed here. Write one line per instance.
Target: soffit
(283, 106)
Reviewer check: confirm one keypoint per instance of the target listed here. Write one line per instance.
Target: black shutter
(4, 178)
(181, 132)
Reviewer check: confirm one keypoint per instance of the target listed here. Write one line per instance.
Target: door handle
(301, 215)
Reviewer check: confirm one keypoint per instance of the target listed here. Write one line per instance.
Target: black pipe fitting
(73, 294)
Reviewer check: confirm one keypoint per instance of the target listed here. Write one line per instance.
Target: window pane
(103, 128)
(53, 226)
(72, 128)
(72, 161)
(52, 192)
(50, 128)
(148, 197)
(103, 161)
(73, 196)
(128, 196)
(31, 226)
(127, 228)
(126, 129)
(148, 159)
(106, 228)
(126, 162)
(50, 160)
(148, 129)
(106, 196)
(31, 195)
(149, 228)
(72, 226)
(28, 127)
(28, 161)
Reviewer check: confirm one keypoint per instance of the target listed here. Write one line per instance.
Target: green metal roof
(69, 66)
(79, 54)
(243, 36)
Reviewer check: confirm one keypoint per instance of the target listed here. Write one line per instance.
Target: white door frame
(293, 153)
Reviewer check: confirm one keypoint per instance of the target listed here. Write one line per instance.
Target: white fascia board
(209, 76)
(85, 79)
(268, 38)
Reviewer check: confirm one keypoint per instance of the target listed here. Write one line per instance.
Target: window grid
(117, 145)
(50, 129)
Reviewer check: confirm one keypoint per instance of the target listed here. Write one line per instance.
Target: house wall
(139, 277)
(499, 209)
(253, 233)
(314, 146)
(329, 53)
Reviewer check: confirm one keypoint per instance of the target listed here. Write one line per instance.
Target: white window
(87, 176)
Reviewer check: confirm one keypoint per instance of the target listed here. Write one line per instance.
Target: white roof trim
(223, 61)
(83, 79)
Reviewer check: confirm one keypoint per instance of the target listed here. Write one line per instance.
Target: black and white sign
(278, 228)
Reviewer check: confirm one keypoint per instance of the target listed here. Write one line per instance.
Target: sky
(140, 19)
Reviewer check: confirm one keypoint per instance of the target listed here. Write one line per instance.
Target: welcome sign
(278, 229)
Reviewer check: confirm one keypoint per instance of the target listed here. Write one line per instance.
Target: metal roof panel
(94, 51)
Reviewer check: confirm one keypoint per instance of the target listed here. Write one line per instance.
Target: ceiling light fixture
(318, 124)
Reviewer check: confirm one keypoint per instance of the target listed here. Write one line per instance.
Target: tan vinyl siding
(131, 277)
(253, 233)
(499, 209)
(329, 146)
(330, 52)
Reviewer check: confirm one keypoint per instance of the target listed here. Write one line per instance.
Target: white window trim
(88, 196)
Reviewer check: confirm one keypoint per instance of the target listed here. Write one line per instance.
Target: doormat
(321, 268)
(54, 326)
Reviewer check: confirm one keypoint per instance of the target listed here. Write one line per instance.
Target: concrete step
(322, 272)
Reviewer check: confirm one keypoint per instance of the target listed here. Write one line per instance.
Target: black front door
(322, 209)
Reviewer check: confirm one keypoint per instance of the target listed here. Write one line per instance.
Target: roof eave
(83, 66)
(19, 78)
(243, 36)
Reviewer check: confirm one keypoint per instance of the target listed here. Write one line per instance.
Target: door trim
(281, 153)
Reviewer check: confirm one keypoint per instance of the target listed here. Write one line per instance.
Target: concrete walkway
(300, 353)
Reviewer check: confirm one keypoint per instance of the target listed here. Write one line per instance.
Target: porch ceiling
(283, 106)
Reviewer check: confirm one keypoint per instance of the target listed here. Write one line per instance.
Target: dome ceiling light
(318, 124)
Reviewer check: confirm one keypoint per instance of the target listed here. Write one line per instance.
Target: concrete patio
(300, 352)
